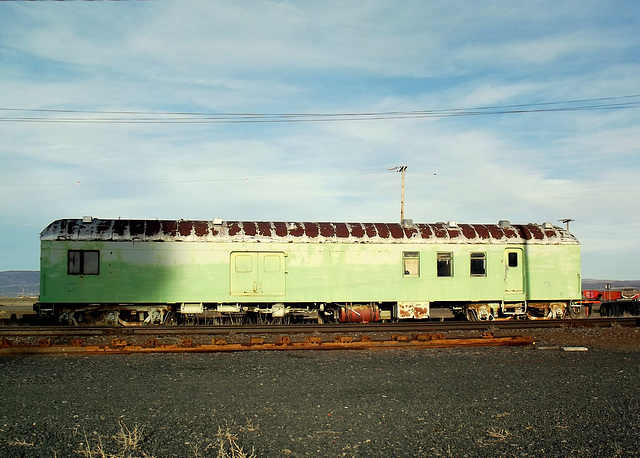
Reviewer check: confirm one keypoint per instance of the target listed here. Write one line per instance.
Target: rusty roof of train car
(303, 232)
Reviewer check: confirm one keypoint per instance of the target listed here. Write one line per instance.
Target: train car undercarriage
(488, 311)
(285, 313)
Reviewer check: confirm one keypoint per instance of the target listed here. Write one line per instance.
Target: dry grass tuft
(127, 441)
(494, 436)
(225, 445)
(20, 443)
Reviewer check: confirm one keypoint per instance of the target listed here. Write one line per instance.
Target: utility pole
(401, 169)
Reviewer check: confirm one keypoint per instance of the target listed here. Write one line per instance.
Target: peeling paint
(307, 232)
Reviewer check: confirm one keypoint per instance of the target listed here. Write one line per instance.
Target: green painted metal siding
(158, 272)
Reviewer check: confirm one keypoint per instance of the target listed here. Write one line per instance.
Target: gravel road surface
(507, 401)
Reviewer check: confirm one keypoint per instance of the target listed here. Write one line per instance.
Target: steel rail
(79, 331)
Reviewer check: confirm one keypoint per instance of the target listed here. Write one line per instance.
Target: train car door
(513, 274)
(256, 273)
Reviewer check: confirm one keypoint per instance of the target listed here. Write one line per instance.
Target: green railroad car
(149, 271)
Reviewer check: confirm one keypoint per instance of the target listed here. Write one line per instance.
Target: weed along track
(113, 340)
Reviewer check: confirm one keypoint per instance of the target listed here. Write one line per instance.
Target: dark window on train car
(478, 264)
(83, 262)
(513, 259)
(411, 263)
(445, 265)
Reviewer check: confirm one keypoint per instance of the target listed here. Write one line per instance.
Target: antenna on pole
(401, 169)
(566, 221)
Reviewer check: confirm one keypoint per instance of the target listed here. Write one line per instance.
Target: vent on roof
(504, 223)
(452, 224)
(548, 225)
(217, 221)
(407, 222)
(87, 219)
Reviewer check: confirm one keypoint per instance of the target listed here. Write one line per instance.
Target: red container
(608, 296)
(591, 294)
(359, 314)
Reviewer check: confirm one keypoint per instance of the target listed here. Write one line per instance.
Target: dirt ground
(613, 338)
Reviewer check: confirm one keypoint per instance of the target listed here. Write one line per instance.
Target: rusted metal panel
(170, 228)
(296, 229)
(522, 232)
(281, 228)
(234, 228)
(120, 227)
(264, 228)
(326, 229)
(357, 230)
(249, 228)
(425, 231)
(413, 310)
(453, 232)
(410, 231)
(311, 229)
(382, 229)
(405, 311)
(152, 228)
(482, 232)
(468, 231)
(396, 231)
(439, 230)
(103, 226)
(509, 232)
(185, 227)
(342, 231)
(136, 228)
(535, 231)
(370, 229)
(307, 232)
(201, 228)
(495, 232)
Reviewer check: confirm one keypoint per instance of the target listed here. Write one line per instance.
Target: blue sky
(90, 69)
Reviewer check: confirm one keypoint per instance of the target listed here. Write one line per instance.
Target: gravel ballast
(509, 401)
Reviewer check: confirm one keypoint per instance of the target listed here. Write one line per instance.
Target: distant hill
(588, 283)
(19, 283)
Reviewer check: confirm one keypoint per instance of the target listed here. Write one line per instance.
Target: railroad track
(150, 339)
(7, 331)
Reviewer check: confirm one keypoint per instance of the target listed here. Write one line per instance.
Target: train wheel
(67, 318)
(614, 310)
(110, 318)
(604, 310)
(556, 312)
(577, 311)
(484, 313)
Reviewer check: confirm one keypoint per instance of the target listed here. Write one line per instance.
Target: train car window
(445, 264)
(91, 262)
(73, 262)
(513, 259)
(83, 262)
(411, 263)
(478, 264)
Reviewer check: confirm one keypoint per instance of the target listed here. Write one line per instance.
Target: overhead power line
(31, 115)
